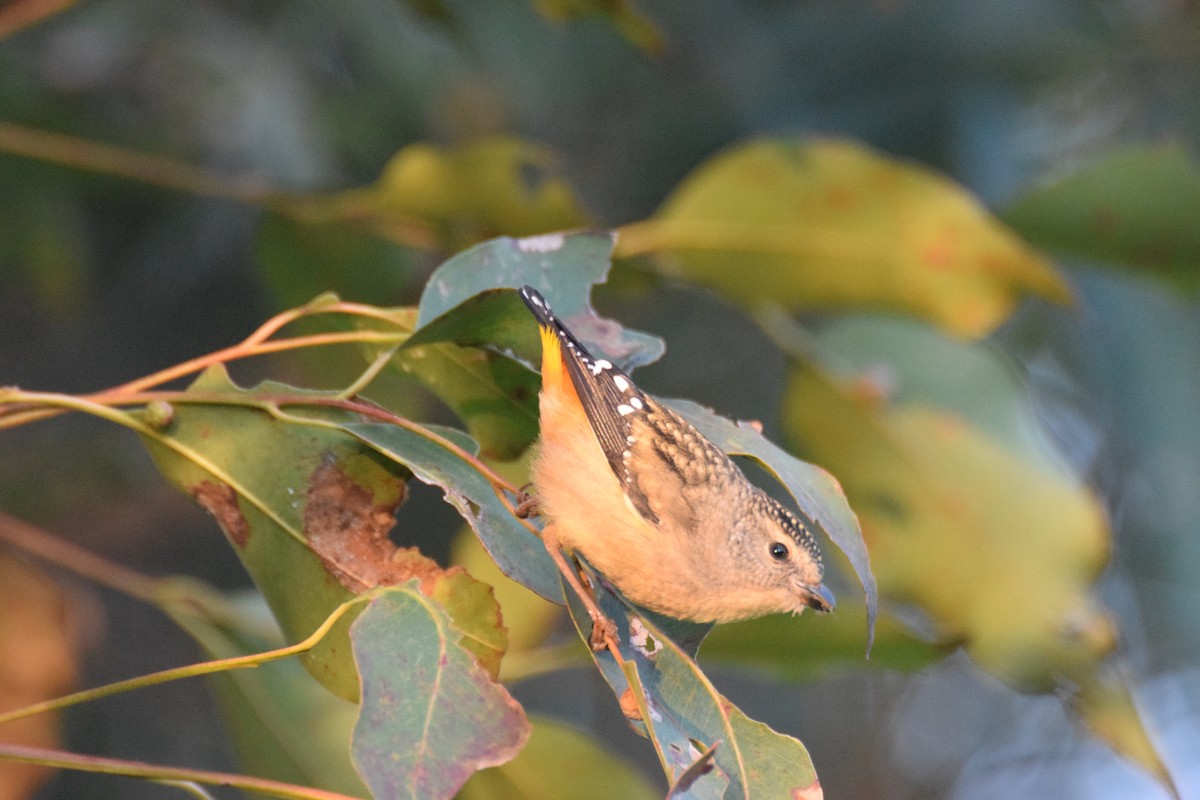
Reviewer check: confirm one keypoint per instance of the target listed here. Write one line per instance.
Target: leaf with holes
(666, 697)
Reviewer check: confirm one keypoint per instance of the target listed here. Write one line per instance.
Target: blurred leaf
(684, 715)
(559, 763)
(1107, 708)
(820, 501)
(430, 716)
(1139, 206)
(283, 724)
(302, 259)
(828, 225)
(809, 647)
(634, 27)
(563, 267)
(517, 551)
(468, 193)
(1000, 545)
(17, 15)
(40, 653)
(1000, 549)
(308, 509)
(528, 617)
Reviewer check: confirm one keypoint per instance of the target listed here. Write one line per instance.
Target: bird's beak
(818, 598)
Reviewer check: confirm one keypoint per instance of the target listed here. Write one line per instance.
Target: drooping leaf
(517, 551)
(830, 225)
(1139, 206)
(982, 527)
(559, 763)
(666, 696)
(468, 193)
(430, 715)
(307, 507)
(943, 503)
(820, 500)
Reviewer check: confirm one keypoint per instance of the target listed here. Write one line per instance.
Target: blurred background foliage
(1016, 430)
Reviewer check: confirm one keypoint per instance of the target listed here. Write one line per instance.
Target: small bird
(653, 504)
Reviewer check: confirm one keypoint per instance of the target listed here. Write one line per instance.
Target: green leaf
(684, 716)
(563, 267)
(831, 225)
(469, 193)
(307, 507)
(820, 500)
(258, 476)
(559, 763)
(475, 340)
(494, 396)
(515, 549)
(430, 715)
(1138, 206)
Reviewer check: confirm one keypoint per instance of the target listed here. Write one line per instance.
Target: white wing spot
(547, 243)
(621, 383)
(636, 402)
(624, 410)
(597, 367)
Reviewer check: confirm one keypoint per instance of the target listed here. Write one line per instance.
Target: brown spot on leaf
(629, 706)
(221, 501)
(811, 792)
(348, 530)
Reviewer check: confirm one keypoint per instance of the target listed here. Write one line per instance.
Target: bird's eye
(779, 551)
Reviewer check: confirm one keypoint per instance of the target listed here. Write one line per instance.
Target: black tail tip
(536, 303)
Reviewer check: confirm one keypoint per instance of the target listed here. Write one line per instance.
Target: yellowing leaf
(528, 617)
(1000, 549)
(470, 192)
(995, 540)
(833, 225)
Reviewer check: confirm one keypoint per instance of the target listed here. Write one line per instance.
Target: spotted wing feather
(609, 398)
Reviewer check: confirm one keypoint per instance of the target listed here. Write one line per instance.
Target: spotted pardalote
(655, 506)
